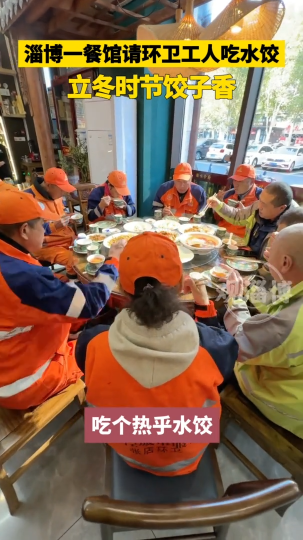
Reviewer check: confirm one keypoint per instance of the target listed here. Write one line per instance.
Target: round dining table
(199, 264)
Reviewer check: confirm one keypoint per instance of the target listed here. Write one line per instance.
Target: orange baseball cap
(149, 255)
(18, 207)
(59, 178)
(118, 179)
(183, 171)
(243, 172)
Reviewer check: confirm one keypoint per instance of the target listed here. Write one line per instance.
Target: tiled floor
(52, 492)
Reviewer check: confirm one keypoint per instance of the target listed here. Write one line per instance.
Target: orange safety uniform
(180, 364)
(36, 313)
(110, 385)
(56, 241)
(192, 203)
(94, 212)
(249, 198)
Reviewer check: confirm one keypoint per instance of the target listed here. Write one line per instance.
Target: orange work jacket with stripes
(250, 197)
(192, 203)
(36, 313)
(120, 372)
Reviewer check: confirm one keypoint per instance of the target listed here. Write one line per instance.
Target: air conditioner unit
(111, 134)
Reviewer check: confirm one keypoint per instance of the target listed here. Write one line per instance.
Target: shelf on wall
(14, 115)
(4, 71)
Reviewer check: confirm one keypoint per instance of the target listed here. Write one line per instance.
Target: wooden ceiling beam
(104, 4)
(38, 9)
(172, 5)
(100, 22)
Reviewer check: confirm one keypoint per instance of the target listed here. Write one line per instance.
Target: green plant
(77, 157)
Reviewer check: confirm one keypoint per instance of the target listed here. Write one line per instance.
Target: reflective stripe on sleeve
(14, 332)
(106, 280)
(78, 302)
(179, 465)
(23, 384)
(156, 203)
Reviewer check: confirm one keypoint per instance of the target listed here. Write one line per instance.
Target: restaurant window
(218, 118)
(277, 130)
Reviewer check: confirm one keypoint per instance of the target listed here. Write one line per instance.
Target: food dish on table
(172, 235)
(137, 226)
(243, 266)
(96, 237)
(169, 224)
(218, 274)
(200, 242)
(110, 240)
(197, 228)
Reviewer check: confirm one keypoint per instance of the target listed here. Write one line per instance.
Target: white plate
(79, 252)
(107, 224)
(151, 221)
(203, 227)
(168, 224)
(137, 226)
(121, 235)
(185, 254)
(186, 237)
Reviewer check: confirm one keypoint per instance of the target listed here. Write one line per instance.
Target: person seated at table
(155, 354)
(48, 191)
(37, 309)
(244, 193)
(101, 201)
(261, 218)
(261, 297)
(269, 369)
(180, 195)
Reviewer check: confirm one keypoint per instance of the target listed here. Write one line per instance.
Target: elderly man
(270, 362)
(180, 195)
(244, 193)
(58, 236)
(37, 310)
(261, 218)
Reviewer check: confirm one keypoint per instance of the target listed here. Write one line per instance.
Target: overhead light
(246, 19)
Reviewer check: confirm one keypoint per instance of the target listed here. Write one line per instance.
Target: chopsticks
(203, 212)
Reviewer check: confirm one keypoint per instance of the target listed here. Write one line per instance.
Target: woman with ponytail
(155, 354)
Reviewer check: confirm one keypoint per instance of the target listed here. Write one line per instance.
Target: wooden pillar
(39, 108)
(194, 132)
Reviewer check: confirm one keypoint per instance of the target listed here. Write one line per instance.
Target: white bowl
(167, 224)
(184, 220)
(116, 237)
(212, 242)
(199, 227)
(96, 256)
(119, 203)
(78, 218)
(137, 226)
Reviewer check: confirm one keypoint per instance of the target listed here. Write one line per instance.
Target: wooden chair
(18, 427)
(280, 444)
(83, 192)
(138, 500)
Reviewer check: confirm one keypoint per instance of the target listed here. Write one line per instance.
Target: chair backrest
(240, 501)
(84, 191)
